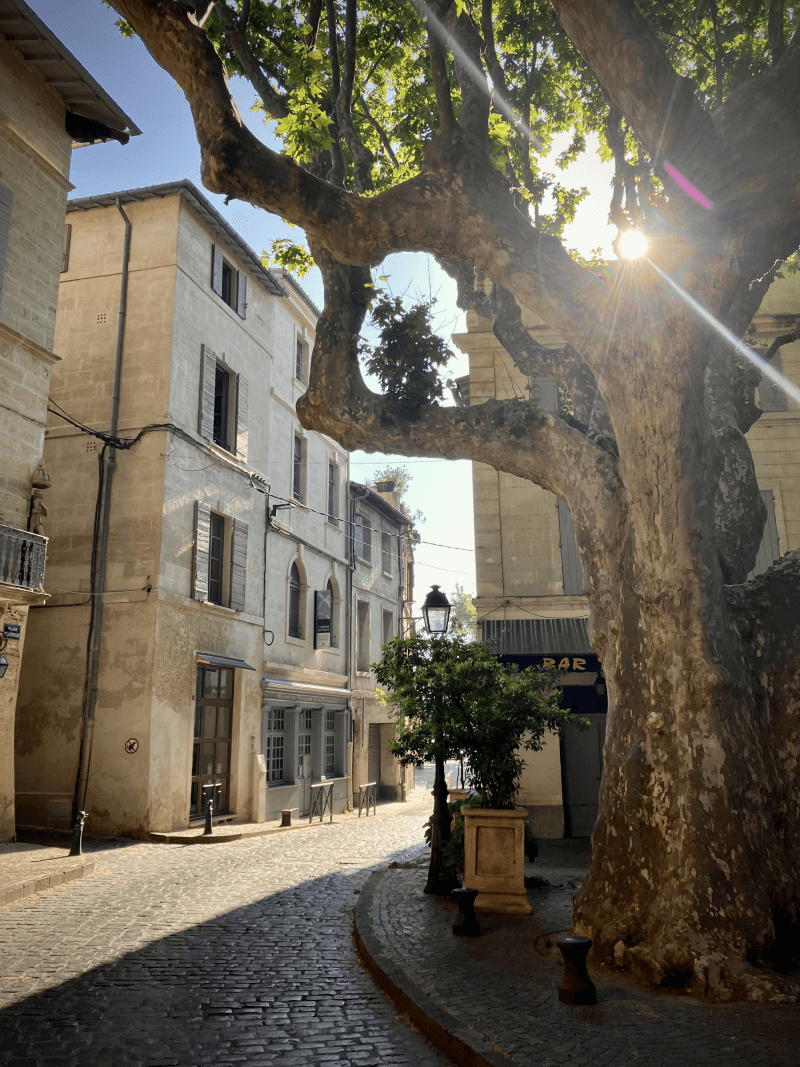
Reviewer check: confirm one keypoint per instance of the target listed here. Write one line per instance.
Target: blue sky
(167, 150)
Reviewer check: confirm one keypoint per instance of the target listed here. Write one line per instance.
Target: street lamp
(436, 613)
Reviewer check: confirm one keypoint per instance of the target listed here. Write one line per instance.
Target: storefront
(306, 735)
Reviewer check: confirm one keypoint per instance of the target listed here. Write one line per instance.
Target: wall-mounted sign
(323, 615)
(131, 745)
(11, 631)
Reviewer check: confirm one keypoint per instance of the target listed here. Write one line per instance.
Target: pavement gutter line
(443, 1031)
(10, 894)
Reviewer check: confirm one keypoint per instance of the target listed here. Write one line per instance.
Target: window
(388, 627)
(67, 243)
(770, 395)
(220, 558)
(332, 494)
(304, 743)
(323, 621)
(223, 404)
(299, 468)
(571, 567)
(386, 553)
(299, 359)
(295, 614)
(228, 283)
(211, 754)
(362, 637)
(274, 743)
(362, 536)
(330, 744)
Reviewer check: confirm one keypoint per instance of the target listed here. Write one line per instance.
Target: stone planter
(494, 859)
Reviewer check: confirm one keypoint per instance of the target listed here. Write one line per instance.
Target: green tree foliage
(463, 615)
(454, 695)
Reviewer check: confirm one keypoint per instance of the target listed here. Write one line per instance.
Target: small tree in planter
(453, 695)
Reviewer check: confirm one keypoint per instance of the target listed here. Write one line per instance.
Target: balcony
(22, 559)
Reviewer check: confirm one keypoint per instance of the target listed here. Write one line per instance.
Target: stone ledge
(28, 884)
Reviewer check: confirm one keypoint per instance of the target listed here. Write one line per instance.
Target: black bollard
(467, 924)
(286, 817)
(209, 811)
(577, 987)
(77, 834)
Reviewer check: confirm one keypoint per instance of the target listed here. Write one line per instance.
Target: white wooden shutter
(216, 269)
(241, 294)
(242, 394)
(6, 204)
(238, 564)
(202, 546)
(769, 550)
(208, 384)
(571, 568)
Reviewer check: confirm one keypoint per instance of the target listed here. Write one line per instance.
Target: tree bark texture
(695, 872)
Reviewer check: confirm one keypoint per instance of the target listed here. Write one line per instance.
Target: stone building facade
(49, 104)
(225, 538)
(383, 590)
(530, 604)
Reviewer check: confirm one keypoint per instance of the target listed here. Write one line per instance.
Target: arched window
(295, 621)
(334, 606)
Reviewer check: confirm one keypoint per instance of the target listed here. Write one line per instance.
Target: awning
(279, 689)
(223, 661)
(527, 637)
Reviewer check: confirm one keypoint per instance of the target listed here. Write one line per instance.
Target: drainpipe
(90, 695)
(351, 674)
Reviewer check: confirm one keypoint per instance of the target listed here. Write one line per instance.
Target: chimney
(388, 491)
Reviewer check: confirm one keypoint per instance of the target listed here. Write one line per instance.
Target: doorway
(581, 771)
(304, 759)
(211, 755)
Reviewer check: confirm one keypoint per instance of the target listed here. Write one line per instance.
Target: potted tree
(452, 696)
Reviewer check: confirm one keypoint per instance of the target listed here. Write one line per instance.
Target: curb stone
(462, 1045)
(28, 888)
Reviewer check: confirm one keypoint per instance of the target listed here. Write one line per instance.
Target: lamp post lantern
(436, 613)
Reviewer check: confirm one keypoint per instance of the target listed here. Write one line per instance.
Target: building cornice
(30, 346)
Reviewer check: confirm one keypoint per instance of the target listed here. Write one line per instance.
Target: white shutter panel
(238, 564)
(202, 546)
(6, 204)
(571, 567)
(216, 269)
(242, 394)
(770, 395)
(208, 384)
(241, 294)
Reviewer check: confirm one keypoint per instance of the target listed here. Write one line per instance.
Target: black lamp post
(436, 613)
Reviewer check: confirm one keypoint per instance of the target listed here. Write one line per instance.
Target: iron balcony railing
(22, 558)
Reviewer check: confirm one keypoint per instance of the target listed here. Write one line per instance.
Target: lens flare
(631, 244)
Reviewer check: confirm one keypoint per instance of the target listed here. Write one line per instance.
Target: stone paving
(26, 869)
(184, 957)
(494, 999)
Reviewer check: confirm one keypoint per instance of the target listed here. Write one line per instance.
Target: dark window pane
(221, 764)
(195, 762)
(294, 603)
(193, 809)
(198, 719)
(221, 404)
(210, 682)
(209, 724)
(215, 561)
(298, 364)
(225, 683)
(223, 722)
(207, 758)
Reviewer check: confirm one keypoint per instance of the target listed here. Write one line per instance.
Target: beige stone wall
(34, 164)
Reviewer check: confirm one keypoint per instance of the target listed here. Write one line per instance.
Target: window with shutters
(275, 743)
(386, 554)
(771, 397)
(223, 412)
(300, 359)
(362, 538)
(388, 627)
(571, 567)
(299, 468)
(333, 493)
(333, 592)
(220, 559)
(228, 283)
(295, 613)
(362, 636)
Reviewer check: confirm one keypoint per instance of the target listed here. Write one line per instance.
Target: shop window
(274, 743)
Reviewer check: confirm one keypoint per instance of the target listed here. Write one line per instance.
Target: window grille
(330, 745)
(274, 744)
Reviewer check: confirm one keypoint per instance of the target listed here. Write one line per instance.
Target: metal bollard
(77, 834)
(577, 987)
(467, 924)
(286, 817)
(209, 811)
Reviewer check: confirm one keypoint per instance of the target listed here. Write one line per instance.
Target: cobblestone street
(237, 953)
